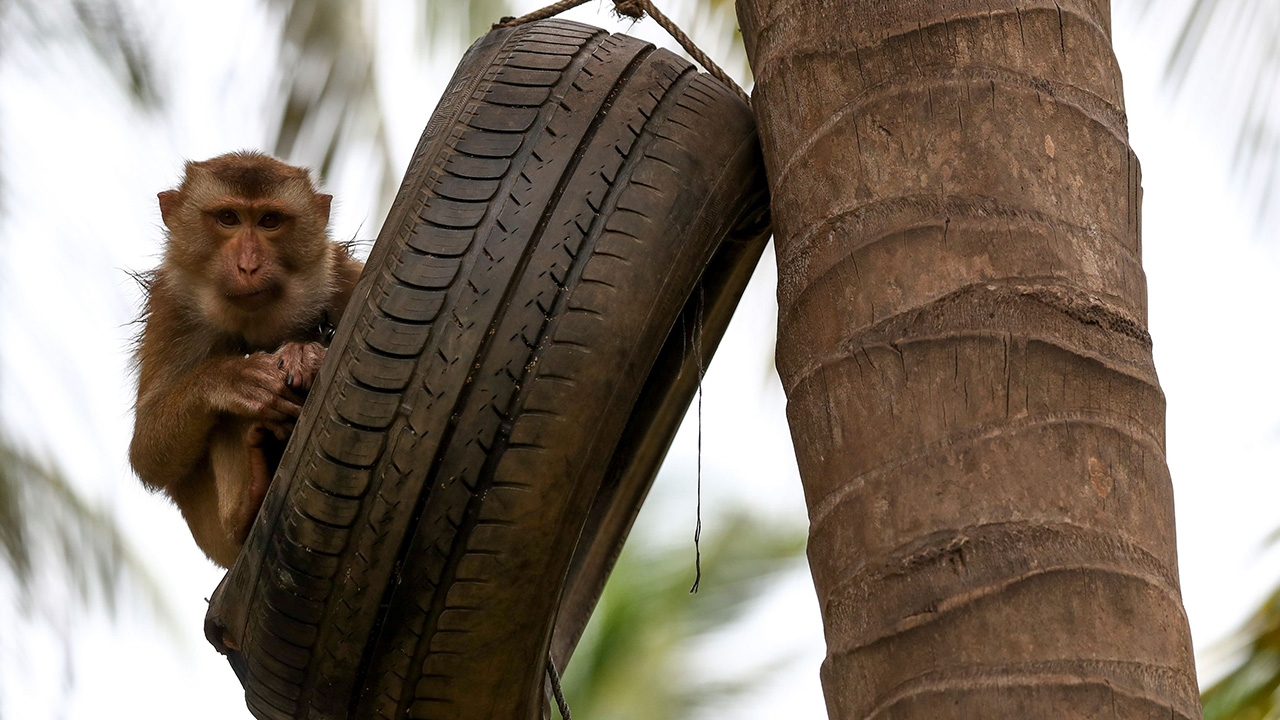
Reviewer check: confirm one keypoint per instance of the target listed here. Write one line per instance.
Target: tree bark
(962, 339)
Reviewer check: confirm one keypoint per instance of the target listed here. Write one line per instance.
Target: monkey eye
(227, 218)
(270, 220)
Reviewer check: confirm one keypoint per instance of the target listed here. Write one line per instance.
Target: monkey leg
(243, 456)
(264, 445)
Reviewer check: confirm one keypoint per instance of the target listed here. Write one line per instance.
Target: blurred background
(102, 591)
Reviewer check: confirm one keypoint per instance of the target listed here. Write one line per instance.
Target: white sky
(82, 177)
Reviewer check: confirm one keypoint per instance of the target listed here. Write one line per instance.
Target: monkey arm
(171, 430)
(176, 414)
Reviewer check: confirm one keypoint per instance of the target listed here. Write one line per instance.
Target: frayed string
(561, 704)
(697, 531)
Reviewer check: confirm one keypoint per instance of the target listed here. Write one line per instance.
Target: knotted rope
(637, 9)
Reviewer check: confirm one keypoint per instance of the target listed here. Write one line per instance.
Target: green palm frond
(1251, 691)
(630, 662)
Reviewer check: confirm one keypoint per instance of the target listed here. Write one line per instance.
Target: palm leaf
(1250, 690)
(113, 35)
(629, 664)
(48, 532)
(33, 27)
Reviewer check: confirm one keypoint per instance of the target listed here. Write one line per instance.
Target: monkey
(232, 338)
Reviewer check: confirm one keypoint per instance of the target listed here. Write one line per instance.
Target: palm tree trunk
(962, 338)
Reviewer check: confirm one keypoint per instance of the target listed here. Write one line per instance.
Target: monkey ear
(168, 207)
(323, 202)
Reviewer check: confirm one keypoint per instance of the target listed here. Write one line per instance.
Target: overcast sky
(82, 175)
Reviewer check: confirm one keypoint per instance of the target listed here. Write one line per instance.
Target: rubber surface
(512, 368)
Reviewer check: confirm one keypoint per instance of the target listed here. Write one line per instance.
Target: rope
(638, 9)
(561, 703)
(546, 12)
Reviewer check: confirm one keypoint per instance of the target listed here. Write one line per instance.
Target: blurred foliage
(328, 85)
(329, 90)
(50, 533)
(718, 18)
(63, 553)
(633, 661)
(1251, 691)
(1227, 57)
(446, 20)
(104, 26)
(41, 27)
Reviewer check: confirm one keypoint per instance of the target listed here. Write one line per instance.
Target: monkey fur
(232, 337)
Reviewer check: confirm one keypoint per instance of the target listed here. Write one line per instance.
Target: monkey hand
(256, 387)
(300, 363)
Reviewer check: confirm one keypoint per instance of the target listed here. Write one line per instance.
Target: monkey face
(247, 236)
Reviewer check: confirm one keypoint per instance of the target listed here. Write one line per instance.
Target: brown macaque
(235, 320)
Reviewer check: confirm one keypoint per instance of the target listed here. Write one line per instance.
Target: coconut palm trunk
(962, 339)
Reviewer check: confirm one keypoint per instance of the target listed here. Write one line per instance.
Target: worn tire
(502, 389)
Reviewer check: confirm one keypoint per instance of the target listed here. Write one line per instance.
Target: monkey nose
(248, 258)
(248, 264)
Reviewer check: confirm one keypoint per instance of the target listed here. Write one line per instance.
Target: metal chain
(638, 9)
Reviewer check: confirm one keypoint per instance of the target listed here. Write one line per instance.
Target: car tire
(503, 386)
